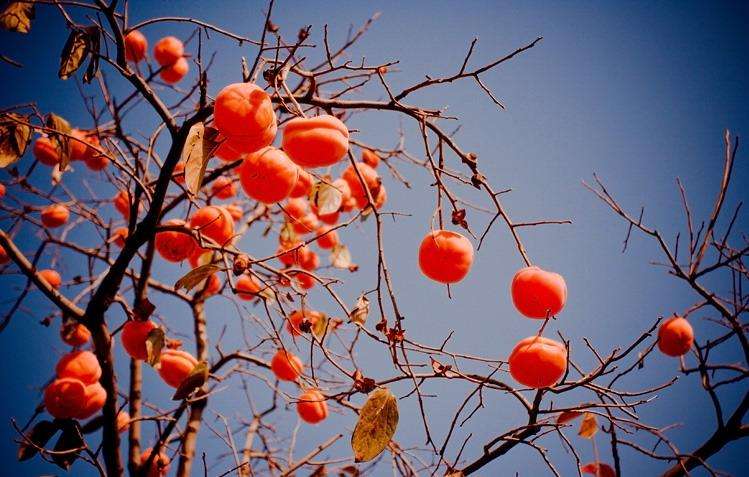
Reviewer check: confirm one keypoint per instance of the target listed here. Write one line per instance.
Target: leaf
(340, 257)
(94, 35)
(74, 53)
(195, 276)
(360, 312)
(154, 344)
(378, 420)
(14, 137)
(598, 469)
(589, 426)
(568, 416)
(199, 146)
(40, 434)
(287, 234)
(17, 17)
(320, 326)
(68, 445)
(62, 140)
(197, 378)
(326, 198)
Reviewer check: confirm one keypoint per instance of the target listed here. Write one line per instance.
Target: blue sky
(638, 92)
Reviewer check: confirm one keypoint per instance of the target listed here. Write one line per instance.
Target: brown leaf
(327, 199)
(17, 17)
(94, 36)
(195, 276)
(320, 326)
(74, 53)
(61, 140)
(144, 309)
(378, 420)
(361, 310)
(599, 469)
(155, 342)
(568, 416)
(199, 146)
(197, 378)
(589, 426)
(14, 137)
(39, 435)
(68, 445)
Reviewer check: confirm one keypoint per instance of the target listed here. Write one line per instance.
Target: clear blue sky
(638, 92)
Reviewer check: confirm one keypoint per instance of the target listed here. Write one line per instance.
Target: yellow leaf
(195, 276)
(340, 257)
(17, 17)
(589, 426)
(360, 312)
(197, 378)
(74, 53)
(14, 137)
(320, 326)
(199, 146)
(326, 198)
(61, 140)
(378, 420)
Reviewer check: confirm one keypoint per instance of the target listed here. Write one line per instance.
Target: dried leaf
(195, 276)
(326, 198)
(568, 416)
(199, 146)
(40, 434)
(340, 257)
(61, 140)
(599, 469)
(361, 310)
(589, 426)
(154, 344)
(94, 36)
(320, 326)
(17, 17)
(287, 235)
(14, 137)
(74, 53)
(68, 446)
(378, 420)
(197, 378)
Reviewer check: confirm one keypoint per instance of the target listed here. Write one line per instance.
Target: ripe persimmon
(298, 316)
(134, 334)
(123, 421)
(244, 115)
(303, 280)
(330, 219)
(290, 253)
(64, 397)
(178, 175)
(50, 276)
(370, 158)
(4, 258)
(119, 236)
(159, 465)
(168, 51)
(74, 334)
(45, 151)
(175, 366)
(81, 365)
(136, 46)
(225, 152)
(215, 223)
(172, 245)
(286, 365)
(309, 261)
(675, 336)
(306, 224)
(538, 362)
(248, 287)
(55, 215)
(235, 211)
(121, 202)
(212, 286)
(2, 191)
(94, 398)
(371, 180)
(311, 406)
(445, 256)
(327, 239)
(268, 175)
(295, 208)
(223, 188)
(537, 293)
(175, 72)
(316, 142)
(303, 185)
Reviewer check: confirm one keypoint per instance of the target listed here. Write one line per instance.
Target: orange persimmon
(268, 175)
(371, 180)
(168, 50)
(81, 365)
(50, 276)
(316, 142)
(175, 366)
(327, 239)
(172, 245)
(45, 151)
(223, 188)
(445, 256)
(244, 115)
(174, 73)
(675, 336)
(538, 362)
(215, 223)
(303, 185)
(64, 397)
(286, 366)
(298, 316)
(134, 335)
(537, 293)
(248, 287)
(136, 46)
(55, 215)
(311, 406)
(370, 158)
(159, 465)
(74, 334)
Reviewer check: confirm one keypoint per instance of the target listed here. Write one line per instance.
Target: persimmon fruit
(268, 175)
(316, 142)
(215, 223)
(445, 256)
(311, 406)
(174, 246)
(134, 335)
(175, 366)
(675, 336)
(168, 50)
(223, 188)
(159, 466)
(298, 316)
(286, 366)
(248, 287)
(75, 334)
(327, 239)
(174, 73)
(80, 365)
(538, 293)
(51, 276)
(136, 46)
(370, 158)
(538, 362)
(45, 151)
(243, 113)
(55, 215)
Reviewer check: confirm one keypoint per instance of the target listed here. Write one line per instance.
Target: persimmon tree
(271, 156)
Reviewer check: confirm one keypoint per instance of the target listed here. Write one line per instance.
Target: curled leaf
(326, 197)
(589, 426)
(17, 17)
(340, 257)
(74, 52)
(361, 310)
(320, 326)
(39, 435)
(68, 446)
(199, 146)
(14, 137)
(154, 344)
(60, 137)
(197, 378)
(378, 420)
(195, 276)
